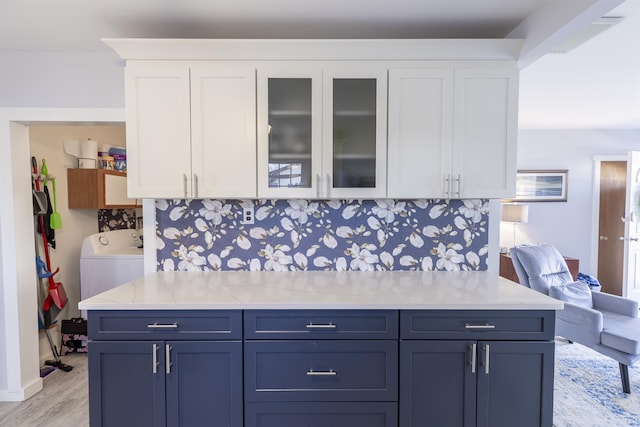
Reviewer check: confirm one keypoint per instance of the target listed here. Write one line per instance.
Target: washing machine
(109, 259)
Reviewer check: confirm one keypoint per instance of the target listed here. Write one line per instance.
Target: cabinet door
(223, 131)
(437, 383)
(204, 383)
(289, 132)
(515, 384)
(420, 132)
(158, 129)
(485, 132)
(354, 133)
(126, 384)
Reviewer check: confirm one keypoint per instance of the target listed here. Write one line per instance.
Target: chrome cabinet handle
(483, 326)
(167, 358)
(329, 373)
(447, 186)
(195, 184)
(156, 325)
(321, 326)
(473, 358)
(459, 181)
(318, 185)
(184, 184)
(155, 359)
(486, 359)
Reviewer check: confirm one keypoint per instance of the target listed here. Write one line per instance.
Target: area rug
(588, 390)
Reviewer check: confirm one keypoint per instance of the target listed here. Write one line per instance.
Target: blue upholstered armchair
(606, 323)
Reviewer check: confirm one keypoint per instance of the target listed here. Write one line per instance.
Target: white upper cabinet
(190, 130)
(223, 131)
(158, 129)
(321, 132)
(452, 132)
(485, 133)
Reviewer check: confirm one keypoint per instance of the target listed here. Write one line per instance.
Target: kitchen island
(333, 348)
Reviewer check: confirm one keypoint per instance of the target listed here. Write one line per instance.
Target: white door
(631, 286)
(223, 131)
(420, 126)
(158, 129)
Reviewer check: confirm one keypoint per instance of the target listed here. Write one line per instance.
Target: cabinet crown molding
(316, 49)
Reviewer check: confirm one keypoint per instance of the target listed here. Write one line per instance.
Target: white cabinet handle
(156, 325)
(321, 326)
(167, 358)
(329, 373)
(155, 359)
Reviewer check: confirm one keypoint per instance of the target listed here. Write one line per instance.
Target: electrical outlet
(247, 215)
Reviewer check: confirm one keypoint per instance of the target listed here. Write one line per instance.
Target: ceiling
(578, 83)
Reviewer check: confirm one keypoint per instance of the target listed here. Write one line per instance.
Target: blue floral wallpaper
(116, 219)
(364, 235)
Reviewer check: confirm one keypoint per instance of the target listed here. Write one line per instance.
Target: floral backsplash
(364, 235)
(116, 219)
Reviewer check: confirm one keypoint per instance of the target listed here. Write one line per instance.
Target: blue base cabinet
(489, 380)
(321, 368)
(162, 381)
(312, 368)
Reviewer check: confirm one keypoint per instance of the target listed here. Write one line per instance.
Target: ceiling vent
(588, 33)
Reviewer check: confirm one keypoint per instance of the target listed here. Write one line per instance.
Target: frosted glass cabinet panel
(354, 133)
(289, 132)
(321, 133)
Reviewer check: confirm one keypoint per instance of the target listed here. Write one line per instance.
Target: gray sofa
(607, 323)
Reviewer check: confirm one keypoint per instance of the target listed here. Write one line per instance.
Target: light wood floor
(63, 402)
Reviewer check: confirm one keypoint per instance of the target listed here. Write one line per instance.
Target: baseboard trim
(23, 394)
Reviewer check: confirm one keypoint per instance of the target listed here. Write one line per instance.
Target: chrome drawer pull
(485, 326)
(155, 358)
(163, 326)
(329, 373)
(322, 326)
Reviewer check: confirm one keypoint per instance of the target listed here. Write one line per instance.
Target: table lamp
(517, 214)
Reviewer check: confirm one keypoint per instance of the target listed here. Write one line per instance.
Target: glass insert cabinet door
(321, 135)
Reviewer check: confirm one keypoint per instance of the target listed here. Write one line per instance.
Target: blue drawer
(478, 324)
(320, 324)
(312, 414)
(321, 370)
(165, 324)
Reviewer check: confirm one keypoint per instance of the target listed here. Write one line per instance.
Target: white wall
(569, 226)
(61, 79)
(47, 142)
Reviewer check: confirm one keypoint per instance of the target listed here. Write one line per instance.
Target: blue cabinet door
(515, 384)
(204, 383)
(437, 383)
(126, 384)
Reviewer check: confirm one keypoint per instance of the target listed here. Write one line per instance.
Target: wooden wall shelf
(98, 189)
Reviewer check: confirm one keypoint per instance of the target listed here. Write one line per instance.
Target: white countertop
(393, 290)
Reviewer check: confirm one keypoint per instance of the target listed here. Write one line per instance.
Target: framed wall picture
(542, 185)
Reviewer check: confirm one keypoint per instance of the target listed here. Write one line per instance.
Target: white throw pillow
(577, 293)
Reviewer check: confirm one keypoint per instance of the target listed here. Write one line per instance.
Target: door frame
(19, 342)
(595, 208)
